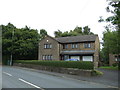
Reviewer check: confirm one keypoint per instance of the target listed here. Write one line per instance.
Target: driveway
(110, 77)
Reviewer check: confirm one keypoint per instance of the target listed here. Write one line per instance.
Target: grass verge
(109, 67)
(96, 73)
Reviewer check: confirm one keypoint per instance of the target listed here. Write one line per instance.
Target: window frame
(74, 46)
(48, 46)
(87, 45)
(65, 46)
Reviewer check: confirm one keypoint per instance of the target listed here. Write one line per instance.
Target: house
(113, 58)
(83, 48)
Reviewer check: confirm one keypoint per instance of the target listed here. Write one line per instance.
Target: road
(0, 77)
(14, 77)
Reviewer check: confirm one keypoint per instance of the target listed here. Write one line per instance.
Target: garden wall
(72, 71)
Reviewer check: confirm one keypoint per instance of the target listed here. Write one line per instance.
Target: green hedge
(66, 64)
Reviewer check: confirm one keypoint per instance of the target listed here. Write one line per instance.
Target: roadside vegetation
(96, 73)
(109, 67)
(83, 65)
(114, 66)
(87, 65)
(111, 35)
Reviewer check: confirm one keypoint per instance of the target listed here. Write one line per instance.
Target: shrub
(115, 64)
(96, 72)
(65, 64)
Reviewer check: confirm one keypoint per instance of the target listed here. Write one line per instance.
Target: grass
(109, 67)
(96, 73)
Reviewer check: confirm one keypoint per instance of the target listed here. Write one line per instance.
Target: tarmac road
(14, 77)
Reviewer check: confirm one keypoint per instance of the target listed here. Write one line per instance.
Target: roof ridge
(77, 36)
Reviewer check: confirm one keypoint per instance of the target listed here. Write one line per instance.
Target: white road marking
(30, 84)
(7, 73)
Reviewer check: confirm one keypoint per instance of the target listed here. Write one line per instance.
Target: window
(87, 45)
(47, 57)
(74, 46)
(47, 46)
(117, 58)
(65, 46)
(43, 57)
(87, 58)
(66, 57)
(51, 57)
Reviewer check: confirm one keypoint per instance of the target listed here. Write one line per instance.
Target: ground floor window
(78, 57)
(87, 58)
(75, 57)
(47, 57)
(66, 57)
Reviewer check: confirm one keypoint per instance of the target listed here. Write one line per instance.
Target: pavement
(19, 77)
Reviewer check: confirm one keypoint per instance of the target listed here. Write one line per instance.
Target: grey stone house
(114, 58)
(84, 48)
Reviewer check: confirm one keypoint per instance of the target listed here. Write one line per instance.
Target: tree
(86, 30)
(43, 32)
(111, 36)
(58, 33)
(23, 42)
(110, 43)
(77, 31)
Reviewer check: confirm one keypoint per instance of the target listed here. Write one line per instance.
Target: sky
(52, 15)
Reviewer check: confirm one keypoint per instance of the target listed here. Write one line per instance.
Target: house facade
(83, 48)
(113, 58)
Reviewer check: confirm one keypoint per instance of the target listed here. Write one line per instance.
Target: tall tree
(23, 43)
(111, 37)
(43, 32)
(77, 31)
(86, 30)
(58, 33)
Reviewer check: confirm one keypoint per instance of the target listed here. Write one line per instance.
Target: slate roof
(74, 39)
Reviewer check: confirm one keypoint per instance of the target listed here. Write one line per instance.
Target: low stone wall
(71, 71)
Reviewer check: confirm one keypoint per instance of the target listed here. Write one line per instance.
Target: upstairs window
(74, 45)
(87, 45)
(47, 46)
(65, 46)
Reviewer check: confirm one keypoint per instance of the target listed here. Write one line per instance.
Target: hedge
(65, 64)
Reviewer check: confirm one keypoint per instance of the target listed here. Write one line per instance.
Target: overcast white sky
(52, 15)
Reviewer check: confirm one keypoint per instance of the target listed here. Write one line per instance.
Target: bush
(65, 64)
(115, 64)
(96, 72)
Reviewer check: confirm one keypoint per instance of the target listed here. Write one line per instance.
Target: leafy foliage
(66, 64)
(43, 32)
(111, 37)
(77, 31)
(96, 72)
(21, 42)
(110, 45)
